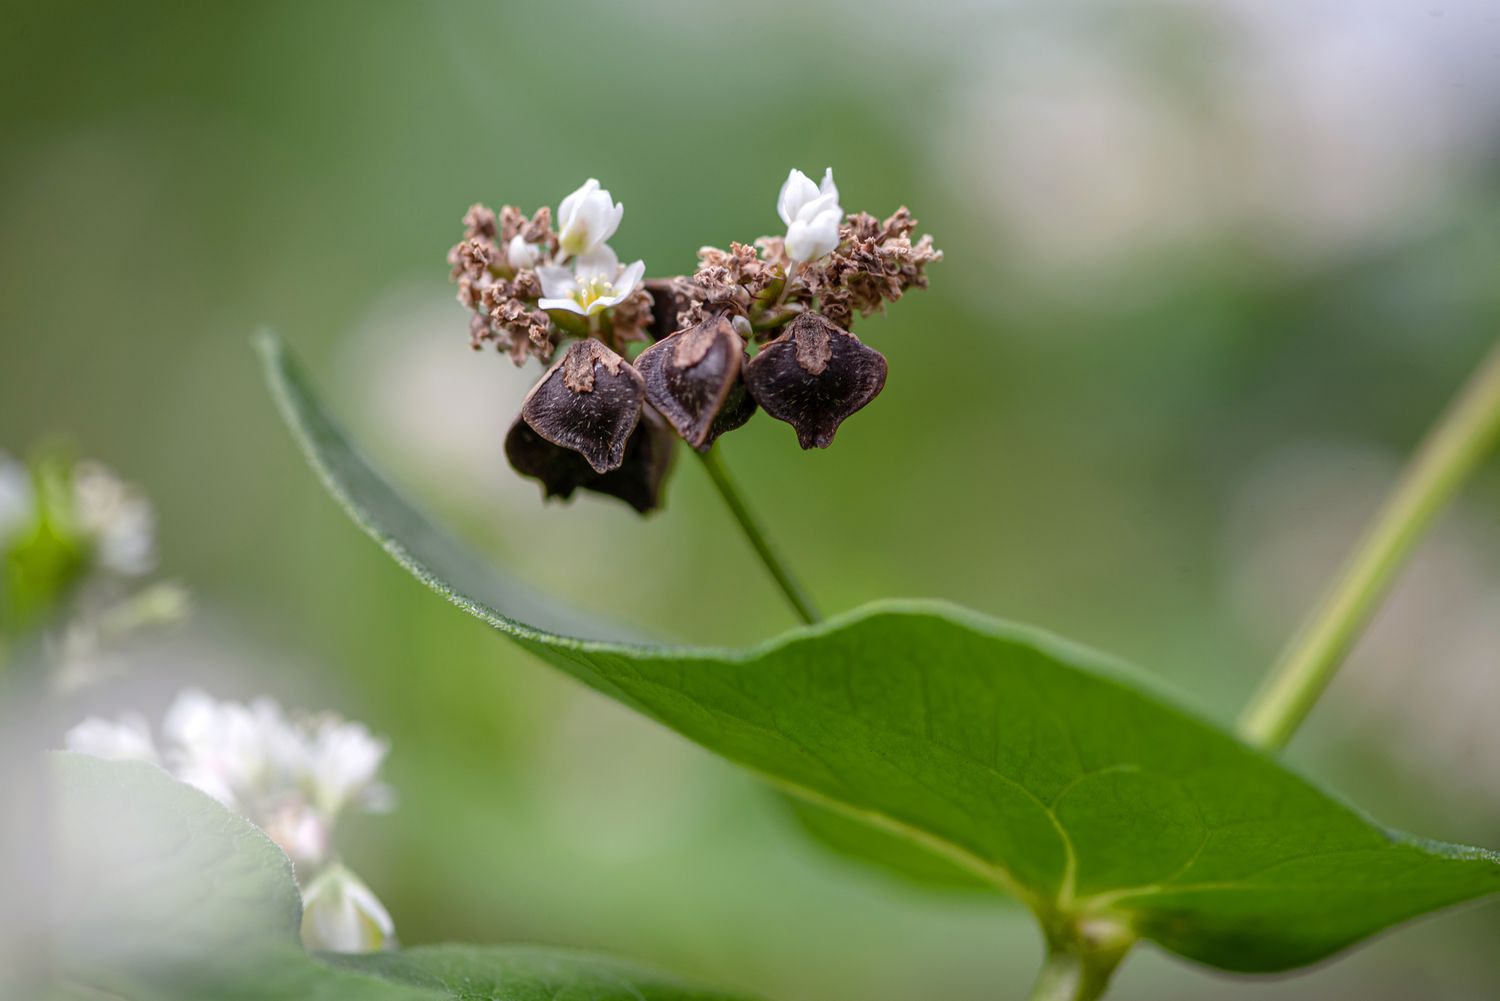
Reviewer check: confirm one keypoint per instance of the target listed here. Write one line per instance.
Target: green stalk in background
(1452, 450)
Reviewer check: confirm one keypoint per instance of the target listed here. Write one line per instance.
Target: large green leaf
(165, 895)
(1028, 762)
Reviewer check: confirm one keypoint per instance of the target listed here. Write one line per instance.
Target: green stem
(753, 530)
(1451, 451)
(1070, 975)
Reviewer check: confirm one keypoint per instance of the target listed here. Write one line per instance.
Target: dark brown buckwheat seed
(638, 480)
(814, 376)
(692, 375)
(589, 401)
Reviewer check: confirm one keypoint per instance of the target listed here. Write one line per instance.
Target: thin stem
(1451, 451)
(753, 530)
(1070, 975)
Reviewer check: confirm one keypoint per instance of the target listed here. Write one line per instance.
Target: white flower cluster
(290, 777)
(585, 220)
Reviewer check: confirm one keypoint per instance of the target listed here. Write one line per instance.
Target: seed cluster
(607, 413)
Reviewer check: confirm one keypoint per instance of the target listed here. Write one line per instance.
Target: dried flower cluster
(290, 776)
(602, 420)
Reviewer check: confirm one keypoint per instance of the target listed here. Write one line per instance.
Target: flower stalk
(780, 571)
(1461, 439)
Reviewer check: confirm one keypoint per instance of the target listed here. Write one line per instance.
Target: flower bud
(522, 254)
(341, 914)
(691, 376)
(814, 376)
(638, 480)
(589, 401)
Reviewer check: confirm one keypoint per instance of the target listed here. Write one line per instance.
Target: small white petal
(612, 216)
(817, 206)
(125, 739)
(828, 187)
(566, 305)
(629, 279)
(341, 914)
(522, 254)
(345, 759)
(300, 831)
(116, 518)
(601, 262)
(796, 191)
(557, 283)
(567, 212)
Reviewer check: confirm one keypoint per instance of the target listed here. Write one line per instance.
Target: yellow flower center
(592, 289)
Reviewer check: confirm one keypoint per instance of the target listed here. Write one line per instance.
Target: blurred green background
(1211, 269)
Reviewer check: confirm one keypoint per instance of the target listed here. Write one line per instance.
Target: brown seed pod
(589, 401)
(814, 376)
(669, 297)
(691, 376)
(637, 481)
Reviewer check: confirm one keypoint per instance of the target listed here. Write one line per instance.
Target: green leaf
(164, 894)
(891, 853)
(1036, 765)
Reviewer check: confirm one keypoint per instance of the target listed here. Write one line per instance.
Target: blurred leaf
(522, 973)
(165, 894)
(1039, 766)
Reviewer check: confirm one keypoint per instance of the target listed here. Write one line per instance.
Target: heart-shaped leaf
(1033, 764)
(162, 893)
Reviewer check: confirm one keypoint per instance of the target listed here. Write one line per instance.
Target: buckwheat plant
(935, 742)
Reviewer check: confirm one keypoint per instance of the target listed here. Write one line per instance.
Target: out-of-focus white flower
(812, 215)
(116, 518)
(17, 503)
(596, 283)
(125, 739)
(341, 914)
(291, 778)
(587, 218)
(522, 254)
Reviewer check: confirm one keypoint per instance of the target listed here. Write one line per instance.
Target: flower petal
(795, 192)
(557, 283)
(817, 206)
(568, 210)
(566, 305)
(630, 278)
(601, 262)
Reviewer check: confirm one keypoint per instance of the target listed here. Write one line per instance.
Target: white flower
(17, 504)
(522, 254)
(812, 215)
(116, 518)
(596, 283)
(125, 739)
(587, 218)
(341, 914)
